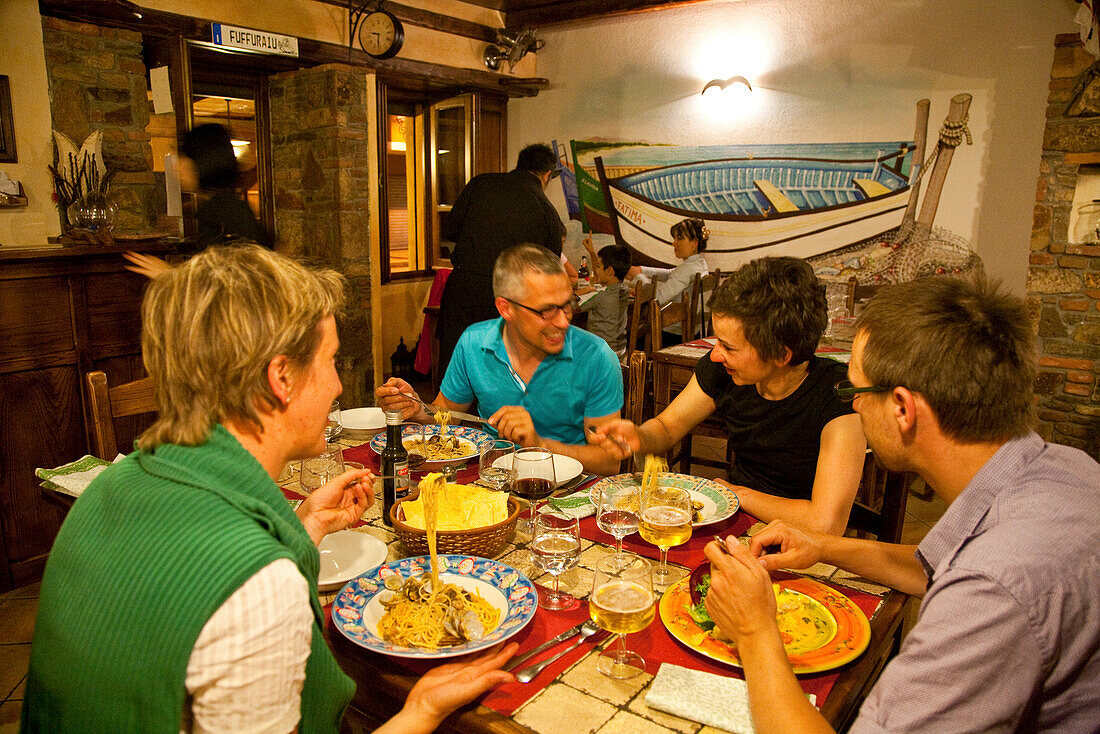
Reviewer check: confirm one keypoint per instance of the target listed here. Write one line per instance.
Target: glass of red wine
(534, 478)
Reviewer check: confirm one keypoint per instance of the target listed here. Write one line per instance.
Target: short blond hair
(211, 326)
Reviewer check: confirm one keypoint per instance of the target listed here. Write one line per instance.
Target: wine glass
(333, 427)
(496, 466)
(666, 521)
(622, 602)
(556, 546)
(617, 511)
(323, 468)
(534, 478)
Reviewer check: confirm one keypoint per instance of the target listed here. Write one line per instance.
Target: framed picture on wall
(7, 125)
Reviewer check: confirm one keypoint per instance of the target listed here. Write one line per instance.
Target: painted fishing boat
(757, 205)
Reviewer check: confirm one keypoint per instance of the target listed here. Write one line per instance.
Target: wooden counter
(63, 311)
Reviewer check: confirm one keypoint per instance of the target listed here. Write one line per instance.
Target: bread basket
(485, 542)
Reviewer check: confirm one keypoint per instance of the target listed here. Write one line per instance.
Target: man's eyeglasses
(555, 172)
(548, 313)
(847, 392)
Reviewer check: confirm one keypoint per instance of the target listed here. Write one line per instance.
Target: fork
(588, 629)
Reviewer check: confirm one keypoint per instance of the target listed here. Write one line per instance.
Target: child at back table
(607, 310)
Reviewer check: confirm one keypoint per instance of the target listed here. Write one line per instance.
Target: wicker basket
(485, 542)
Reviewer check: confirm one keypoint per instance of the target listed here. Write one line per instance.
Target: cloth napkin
(73, 478)
(710, 699)
(578, 505)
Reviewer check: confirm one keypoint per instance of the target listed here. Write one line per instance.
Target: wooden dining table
(579, 698)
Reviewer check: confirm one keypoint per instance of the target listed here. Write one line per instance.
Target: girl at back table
(689, 240)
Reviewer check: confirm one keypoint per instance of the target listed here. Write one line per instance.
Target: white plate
(566, 468)
(363, 419)
(347, 554)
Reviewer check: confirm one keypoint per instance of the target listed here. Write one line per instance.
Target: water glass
(495, 465)
(556, 547)
(666, 521)
(333, 427)
(322, 469)
(618, 511)
(622, 602)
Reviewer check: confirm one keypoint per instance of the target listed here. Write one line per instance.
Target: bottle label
(401, 483)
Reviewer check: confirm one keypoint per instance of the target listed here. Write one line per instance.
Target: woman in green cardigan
(180, 594)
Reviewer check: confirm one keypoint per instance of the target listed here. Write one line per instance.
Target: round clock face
(381, 34)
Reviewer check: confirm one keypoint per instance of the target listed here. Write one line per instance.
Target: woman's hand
(618, 438)
(445, 688)
(148, 265)
(337, 504)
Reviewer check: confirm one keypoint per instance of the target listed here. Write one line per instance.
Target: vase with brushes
(82, 185)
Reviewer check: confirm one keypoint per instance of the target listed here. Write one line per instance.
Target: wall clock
(381, 34)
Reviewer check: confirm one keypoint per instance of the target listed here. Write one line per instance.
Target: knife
(571, 632)
(468, 417)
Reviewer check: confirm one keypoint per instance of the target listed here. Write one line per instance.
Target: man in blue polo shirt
(538, 381)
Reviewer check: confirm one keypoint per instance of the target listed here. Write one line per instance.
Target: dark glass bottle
(582, 272)
(395, 466)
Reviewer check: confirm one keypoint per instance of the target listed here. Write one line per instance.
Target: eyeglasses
(846, 391)
(555, 172)
(548, 313)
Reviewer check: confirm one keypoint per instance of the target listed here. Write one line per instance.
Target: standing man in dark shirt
(493, 212)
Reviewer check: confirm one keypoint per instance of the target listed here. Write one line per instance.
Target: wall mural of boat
(801, 200)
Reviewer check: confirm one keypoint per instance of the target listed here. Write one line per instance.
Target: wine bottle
(395, 466)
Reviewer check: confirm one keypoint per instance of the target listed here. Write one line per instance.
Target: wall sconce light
(738, 83)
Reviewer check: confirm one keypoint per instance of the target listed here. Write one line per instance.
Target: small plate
(363, 419)
(471, 438)
(357, 609)
(347, 554)
(718, 502)
(566, 468)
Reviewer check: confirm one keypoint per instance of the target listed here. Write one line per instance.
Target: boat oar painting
(796, 199)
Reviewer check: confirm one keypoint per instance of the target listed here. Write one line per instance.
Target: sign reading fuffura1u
(252, 40)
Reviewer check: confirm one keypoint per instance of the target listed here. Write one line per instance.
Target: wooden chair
(107, 403)
(879, 509)
(858, 293)
(680, 312)
(638, 322)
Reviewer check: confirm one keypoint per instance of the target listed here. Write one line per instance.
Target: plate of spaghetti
(439, 444)
(434, 606)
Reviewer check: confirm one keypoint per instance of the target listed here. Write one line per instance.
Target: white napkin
(73, 478)
(714, 700)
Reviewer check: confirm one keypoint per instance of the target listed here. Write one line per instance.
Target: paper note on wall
(161, 89)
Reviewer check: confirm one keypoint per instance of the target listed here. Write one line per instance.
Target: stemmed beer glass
(618, 510)
(666, 521)
(556, 547)
(622, 602)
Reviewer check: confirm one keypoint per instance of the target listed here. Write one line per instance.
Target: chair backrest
(675, 312)
(107, 403)
(880, 501)
(858, 293)
(635, 393)
(707, 284)
(645, 299)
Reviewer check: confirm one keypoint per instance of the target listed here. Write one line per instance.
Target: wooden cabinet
(63, 312)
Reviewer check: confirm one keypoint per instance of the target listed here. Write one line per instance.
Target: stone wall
(321, 154)
(1063, 282)
(97, 82)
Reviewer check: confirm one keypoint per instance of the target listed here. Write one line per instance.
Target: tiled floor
(17, 610)
(18, 607)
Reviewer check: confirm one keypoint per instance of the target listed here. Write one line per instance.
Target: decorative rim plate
(356, 610)
(363, 419)
(566, 468)
(345, 555)
(473, 438)
(853, 631)
(719, 503)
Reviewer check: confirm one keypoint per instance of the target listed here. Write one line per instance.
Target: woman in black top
(798, 449)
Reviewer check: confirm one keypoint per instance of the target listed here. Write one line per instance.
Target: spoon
(588, 629)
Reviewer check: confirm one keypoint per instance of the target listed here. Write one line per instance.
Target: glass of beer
(533, 479)
(666, 521)
(622, 602)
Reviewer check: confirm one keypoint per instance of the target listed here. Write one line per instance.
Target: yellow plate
(836, 630)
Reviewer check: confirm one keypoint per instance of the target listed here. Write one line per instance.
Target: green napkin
(72, 478)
